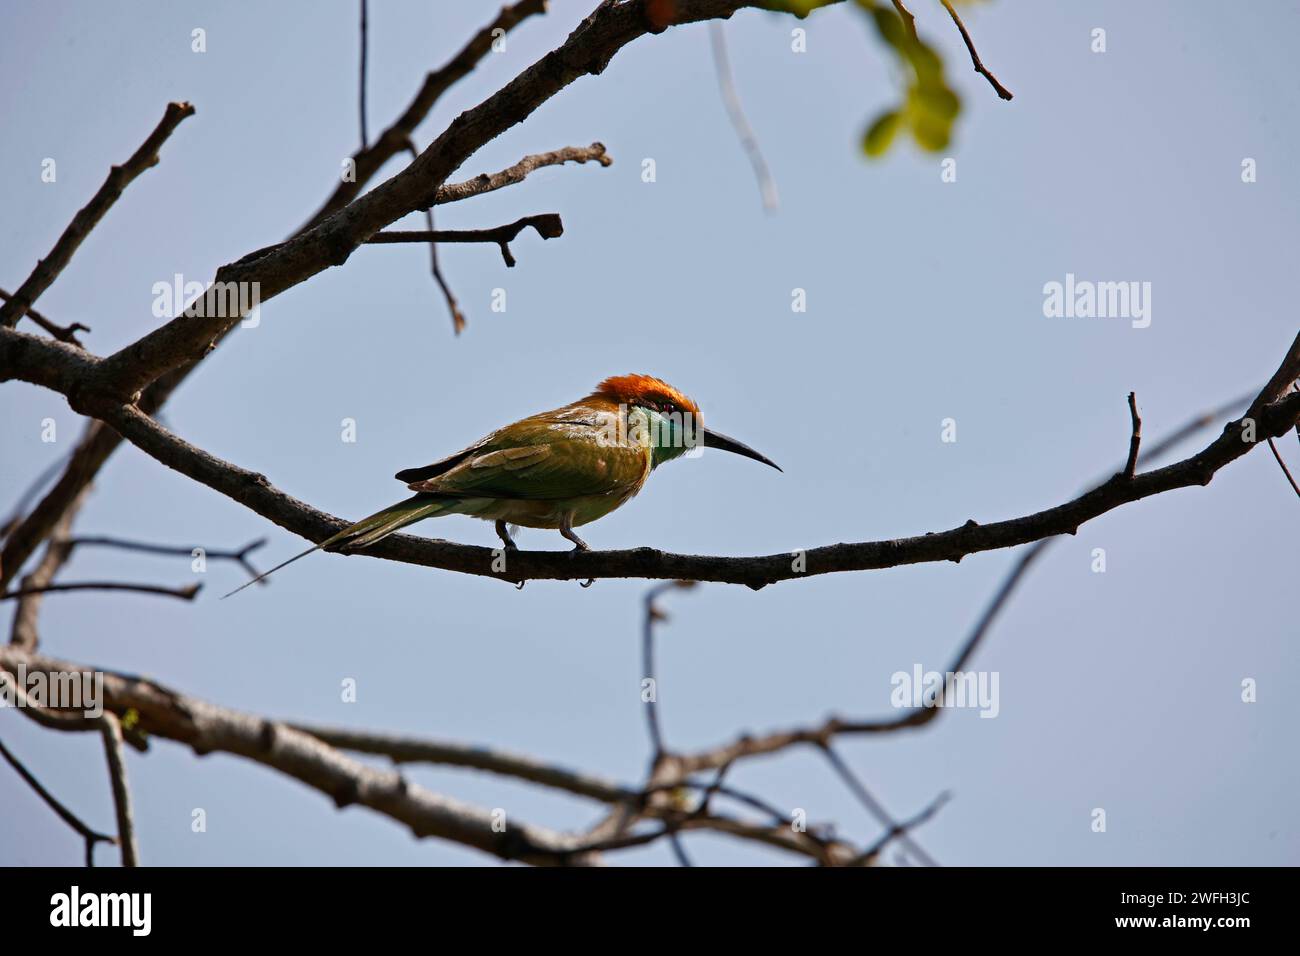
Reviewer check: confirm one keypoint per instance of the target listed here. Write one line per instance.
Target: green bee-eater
(559, 469)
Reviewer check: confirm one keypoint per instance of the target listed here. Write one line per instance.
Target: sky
(1119, 690)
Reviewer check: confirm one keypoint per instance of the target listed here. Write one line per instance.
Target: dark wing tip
(411, 475)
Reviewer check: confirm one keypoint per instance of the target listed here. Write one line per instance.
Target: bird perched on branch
(557, 470)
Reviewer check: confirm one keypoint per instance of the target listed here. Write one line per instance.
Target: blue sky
(1119, 690)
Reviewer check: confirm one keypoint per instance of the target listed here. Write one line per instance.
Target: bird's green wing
(542, 458)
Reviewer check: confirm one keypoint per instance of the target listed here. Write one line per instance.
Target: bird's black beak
(713, 440)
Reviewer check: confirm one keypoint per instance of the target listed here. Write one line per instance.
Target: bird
(556, 470)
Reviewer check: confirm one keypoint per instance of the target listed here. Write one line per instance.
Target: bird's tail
(366, 531)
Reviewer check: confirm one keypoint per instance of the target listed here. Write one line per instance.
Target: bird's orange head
(645, 391)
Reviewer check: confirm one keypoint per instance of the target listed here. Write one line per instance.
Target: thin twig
(727, 86)
(1135, 440)
(116, 756)
(369, 160)
(457, 316)
(1285, 470)
(119, 177)
(975, 57)
(874, 807)
(24, 534)
(185, 593)
(652, 616)
(34, 489)
(64, 333)
(239, 556)
(490, 182)
(362, 95)
(24, 632)
(548, 226)
(899, 830)
(67, 816)
(35, 585)
(678, 848)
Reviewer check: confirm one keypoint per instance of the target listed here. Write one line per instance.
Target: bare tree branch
(751, 746)
(119, 177)
(67, 816)
(62, 368)
(631, 804)
(96, 444)
(874, 806)
(61, 720)
(457, 316)
(491, 182)
(1002, 91)
(453, 307)
(548, 226)
(185, 593)
(239, 556)
(330, 242)
(736, 112)
(1135, 439)
(456, 192)
(115, 755)
(24, 632)
(1285, 470)
(207, 728)
(367, 162)
(25, 499)
(64, 333)
(361, 97)
(901, 830)
(657, 801)
(402, 749)
(653, 615)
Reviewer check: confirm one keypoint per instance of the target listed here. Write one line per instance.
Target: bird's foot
(503, 532)
(566, 530)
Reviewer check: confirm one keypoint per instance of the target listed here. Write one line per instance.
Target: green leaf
(881, 133)
(929, 106)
